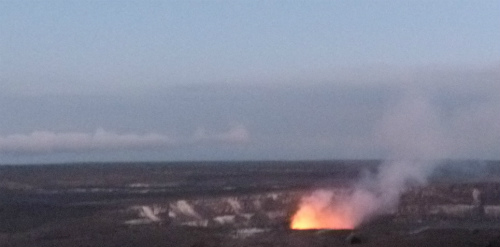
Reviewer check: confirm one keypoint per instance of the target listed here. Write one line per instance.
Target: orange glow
(319, 213)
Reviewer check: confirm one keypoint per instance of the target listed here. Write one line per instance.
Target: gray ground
(233, 204)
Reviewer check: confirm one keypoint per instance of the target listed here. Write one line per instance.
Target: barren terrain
(233, 204)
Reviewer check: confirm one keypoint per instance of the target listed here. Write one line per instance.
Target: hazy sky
(245, 80)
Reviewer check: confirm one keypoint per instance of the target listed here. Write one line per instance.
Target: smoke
(477, 129)
(448, 115)
(413, 134)
(48, 141)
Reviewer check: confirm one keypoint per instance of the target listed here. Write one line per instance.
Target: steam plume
(412, 133)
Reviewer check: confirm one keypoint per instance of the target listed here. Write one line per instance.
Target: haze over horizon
(248, 80)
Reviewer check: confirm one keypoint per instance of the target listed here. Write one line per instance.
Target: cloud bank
(351, 113)
(48, 141)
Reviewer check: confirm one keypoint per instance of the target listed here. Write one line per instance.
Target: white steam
(412, 132)
(47, 141)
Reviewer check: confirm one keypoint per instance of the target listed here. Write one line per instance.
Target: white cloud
(236, 134)
(47, 141)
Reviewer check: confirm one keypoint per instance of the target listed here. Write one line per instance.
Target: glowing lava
(318, 212)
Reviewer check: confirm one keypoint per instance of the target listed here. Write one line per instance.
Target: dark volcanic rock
(354, 238)
(494, 242)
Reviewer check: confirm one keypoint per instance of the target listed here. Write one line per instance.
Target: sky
(85, 81)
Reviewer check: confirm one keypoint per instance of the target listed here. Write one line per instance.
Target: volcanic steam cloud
(413, 136)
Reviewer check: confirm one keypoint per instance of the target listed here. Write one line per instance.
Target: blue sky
(196, 80)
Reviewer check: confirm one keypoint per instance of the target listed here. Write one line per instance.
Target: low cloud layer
(373, 113)
(237, 134)
(48, 141)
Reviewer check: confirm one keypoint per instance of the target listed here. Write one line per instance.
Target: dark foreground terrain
(233, 204)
